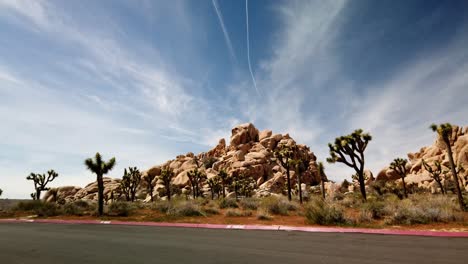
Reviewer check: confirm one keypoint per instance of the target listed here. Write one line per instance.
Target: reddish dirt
(147, 215)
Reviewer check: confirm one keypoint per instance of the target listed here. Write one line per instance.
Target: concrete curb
(249, 227)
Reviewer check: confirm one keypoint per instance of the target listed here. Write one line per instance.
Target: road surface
(63, 243)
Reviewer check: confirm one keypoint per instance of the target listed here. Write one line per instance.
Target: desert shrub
(48, 209)
(322, 212)
(278, 205)
(187, 208)
(211, 211)
(228, 203)
(238, 213)
(265, 216)
(422, 209)
(28, 205)
(162, 206)
(373, 209)
(73, 209)
(351, 200)
(120, 208)
(249, 203)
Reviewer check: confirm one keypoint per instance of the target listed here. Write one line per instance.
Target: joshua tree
(214, 185)
(196, 178)
(100, 167)
(149, 178)
(246, 186)
(40, 182)
(284, 155)
(445, 132)
(130, 181)
(1, 191)
(350, 151)
(223, 176)
(435, 172)
(166, 176)
(301, 165)
(399, 166)
(323, 177)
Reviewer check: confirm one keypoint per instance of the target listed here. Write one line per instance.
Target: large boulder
(242, 134)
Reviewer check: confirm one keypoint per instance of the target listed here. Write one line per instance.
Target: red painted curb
(250, 227)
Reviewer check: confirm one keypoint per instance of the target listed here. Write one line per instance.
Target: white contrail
(248, 45)
(223, 27)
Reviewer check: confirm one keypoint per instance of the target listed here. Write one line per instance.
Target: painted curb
(249, 227)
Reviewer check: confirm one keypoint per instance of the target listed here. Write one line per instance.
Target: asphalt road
(52, 243)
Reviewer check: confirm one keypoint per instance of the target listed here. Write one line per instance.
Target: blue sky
(145, 81)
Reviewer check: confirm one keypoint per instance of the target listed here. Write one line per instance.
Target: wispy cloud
(248, 46)
(224, 29)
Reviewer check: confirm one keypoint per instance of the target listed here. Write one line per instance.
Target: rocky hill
(250, 153)
(436, 152)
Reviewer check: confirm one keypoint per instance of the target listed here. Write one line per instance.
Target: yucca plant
(130, 182)
(436, 172)
(196, 179)
(284, 155)
(166, 177)
(349, 150)
(399, 165)
(40, 182)
(445, 132)
(100, 168)
(149, 178)
(214, 184)
(223, 176)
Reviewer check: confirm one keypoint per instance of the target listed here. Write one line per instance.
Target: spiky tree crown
(399, 166)
(444, 130)
(41, 180)
(350, 145)
(99, 166)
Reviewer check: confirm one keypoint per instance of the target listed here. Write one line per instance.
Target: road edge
(426, 233)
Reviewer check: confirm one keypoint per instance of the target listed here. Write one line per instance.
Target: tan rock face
(250, 153)
(436, 152)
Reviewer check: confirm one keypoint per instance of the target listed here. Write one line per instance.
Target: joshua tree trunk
(299, 185)
(168, 190)
(362, 184)
(404, 187)
(224, 190)
(38, 194)
(323, 188)
(439, 182)
(455, 176)
(100, 195)
(289, 183)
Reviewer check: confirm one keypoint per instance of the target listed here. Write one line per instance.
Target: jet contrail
(223, 27)
(248, 45)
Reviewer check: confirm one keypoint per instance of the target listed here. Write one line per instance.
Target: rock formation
(436, 152)
(250, 153)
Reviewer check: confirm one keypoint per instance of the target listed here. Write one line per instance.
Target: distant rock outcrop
(436, 152)
(250, 153)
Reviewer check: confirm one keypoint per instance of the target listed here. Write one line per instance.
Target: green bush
(73, 209)
(324, 213)
(48, 209)
(373, 208)
(211, 211)
(265, 216)
(249, 203)
(228, 203)
(422, 209)
(28, 205)
(278, 205)
(238, 213)
(188, 208)
(162, 206)
(119, 208)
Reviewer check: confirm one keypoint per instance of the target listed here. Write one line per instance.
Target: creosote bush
(278, 205)
(249, 203)
(238, 213)
(422, 209)
(228, 203)
(187, 208)
(323, 212)
(120, 208)
(265, 216)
